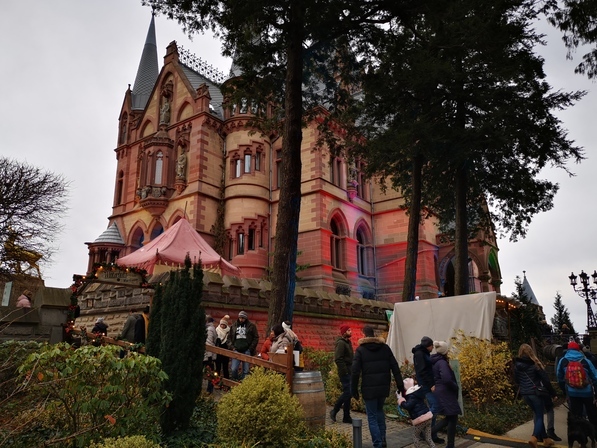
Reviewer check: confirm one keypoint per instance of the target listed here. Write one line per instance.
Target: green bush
(125, 442)
(260, 410)
(319, 360)
(92, 393)
(323, 439)
(496, 419)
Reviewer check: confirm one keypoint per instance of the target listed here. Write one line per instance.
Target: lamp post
(588, 293)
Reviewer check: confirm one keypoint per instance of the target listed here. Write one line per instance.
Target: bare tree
(32, 201)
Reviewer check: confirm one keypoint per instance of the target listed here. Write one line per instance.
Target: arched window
(138, 238)
(363, 263)
(159, 165)
(336, 245)
(156, 231)
(120, 188)
(247, 163)
(240, 243)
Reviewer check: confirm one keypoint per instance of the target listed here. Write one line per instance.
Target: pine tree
(177, 337)
(562, 315)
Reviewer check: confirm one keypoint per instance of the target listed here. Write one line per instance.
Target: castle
(183, 151)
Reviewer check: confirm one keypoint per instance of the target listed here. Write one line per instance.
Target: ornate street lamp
(588, 293)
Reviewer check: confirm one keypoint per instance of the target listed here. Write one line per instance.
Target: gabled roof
(171, 248)
(196, 79)
(148, 71)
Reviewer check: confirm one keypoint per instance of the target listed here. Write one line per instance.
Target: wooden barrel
(308, 388)
(553, 351)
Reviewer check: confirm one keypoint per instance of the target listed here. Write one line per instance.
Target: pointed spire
(147, 73)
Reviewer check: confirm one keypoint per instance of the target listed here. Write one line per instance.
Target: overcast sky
(66, 65)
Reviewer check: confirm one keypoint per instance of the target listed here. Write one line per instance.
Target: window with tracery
(336, 245)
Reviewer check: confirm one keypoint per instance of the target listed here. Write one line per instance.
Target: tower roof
(110, 235)
(147, 73)
(526, 286)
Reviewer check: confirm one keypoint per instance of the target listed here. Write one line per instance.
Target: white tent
(440, 319)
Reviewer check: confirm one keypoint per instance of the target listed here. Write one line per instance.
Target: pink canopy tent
(171, 248)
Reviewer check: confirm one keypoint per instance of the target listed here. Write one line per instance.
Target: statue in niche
(181, 164)
(165, 112)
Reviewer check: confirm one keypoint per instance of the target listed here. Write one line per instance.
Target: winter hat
(243, 314)
(408, 383)
(573, 346)
(441, 347)
(426, 341)
(209, 319)
(99, 320)
(344, 328)
(224, 320)
(286, 325)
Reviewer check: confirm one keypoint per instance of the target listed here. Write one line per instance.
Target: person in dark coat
(100, 326)
(375, 360)
(244, 339)
(420, 415)
(446, 392)
(343, 357)
(424, 375)
(141, 326)
(528, 374)
(128, 330)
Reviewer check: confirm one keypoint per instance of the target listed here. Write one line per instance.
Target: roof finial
(524, 274)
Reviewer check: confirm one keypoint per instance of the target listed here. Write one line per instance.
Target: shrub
(483, 369)
(319, 360)
(202, 428)
(92, 393)
(125, 442)
(260, 410)
(497, 419)
(323, 439)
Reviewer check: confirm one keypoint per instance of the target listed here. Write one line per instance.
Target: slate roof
(526, 286)
(148, 71)
(196, 79)
(110, 235)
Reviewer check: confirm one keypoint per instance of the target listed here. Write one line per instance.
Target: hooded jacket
(576, 355)
(414, 403)
(244, 336)
(343, 356)
(446, 386)
(423, 368)
(528, 376)
(375, 360)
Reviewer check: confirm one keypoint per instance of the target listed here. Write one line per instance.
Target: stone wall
(317, 315)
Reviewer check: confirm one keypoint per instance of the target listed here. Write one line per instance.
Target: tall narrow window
(258, 161)
(230, 249)
(251, 241)
(361, 253)
(240, 243)
(159, 165)
(278, 168)
(336, 245)
(237, 167)
(120, 188)
(247, 163)
(336, 175)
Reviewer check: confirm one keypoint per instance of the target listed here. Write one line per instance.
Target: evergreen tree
(177, 337)
(562, 316)
(524, 320)
(459, 85)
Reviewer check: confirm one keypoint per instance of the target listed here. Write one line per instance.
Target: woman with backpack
(531, 377)
(576, 377)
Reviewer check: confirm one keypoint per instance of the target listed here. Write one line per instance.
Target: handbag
(541, 390)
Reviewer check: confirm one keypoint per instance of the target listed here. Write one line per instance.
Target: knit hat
(426, 341)
(243, 314)
(99, 319)
(573, 346)
(344, 328)
(408, 383)
(224, 320)
(441, 347)
(209, 319)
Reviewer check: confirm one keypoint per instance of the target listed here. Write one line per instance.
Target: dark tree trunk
(412, 245)
(281, 303)
(461, 233)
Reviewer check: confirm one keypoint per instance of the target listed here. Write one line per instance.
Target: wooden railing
(280, 362)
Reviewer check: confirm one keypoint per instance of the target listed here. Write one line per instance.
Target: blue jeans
(432, 403)
(343, 400)
(537, 405)
(235, 363)
(376, 419)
